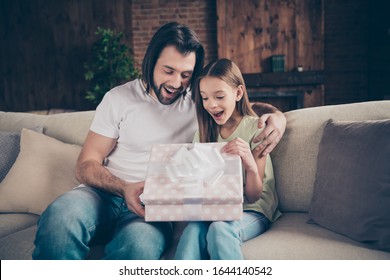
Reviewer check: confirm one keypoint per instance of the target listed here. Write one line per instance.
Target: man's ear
(239, 93)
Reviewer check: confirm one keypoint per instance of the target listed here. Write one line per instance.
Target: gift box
(193, 182)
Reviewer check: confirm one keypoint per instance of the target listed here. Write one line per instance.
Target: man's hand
(275, 125)
(131, 194)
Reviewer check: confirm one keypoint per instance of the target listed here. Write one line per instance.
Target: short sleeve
(106, 120)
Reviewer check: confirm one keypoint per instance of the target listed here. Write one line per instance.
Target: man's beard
(163, 100)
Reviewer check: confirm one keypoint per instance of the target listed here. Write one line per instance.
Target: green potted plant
(112, 64)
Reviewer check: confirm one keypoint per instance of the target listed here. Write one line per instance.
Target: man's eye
(185, 76)
(168, 72)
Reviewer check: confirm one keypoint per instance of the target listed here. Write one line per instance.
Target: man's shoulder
(131, 86)
(131, 90)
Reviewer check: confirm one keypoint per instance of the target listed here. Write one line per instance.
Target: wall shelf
(283, 79)
(286, 90)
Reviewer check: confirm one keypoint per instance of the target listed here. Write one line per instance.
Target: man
(112, 164)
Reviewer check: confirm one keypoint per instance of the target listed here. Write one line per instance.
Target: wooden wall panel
(249, 32)
(44, 46)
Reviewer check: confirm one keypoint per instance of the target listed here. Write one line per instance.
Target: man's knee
(140, 241)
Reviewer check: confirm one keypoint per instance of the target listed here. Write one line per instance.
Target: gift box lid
(192, 174)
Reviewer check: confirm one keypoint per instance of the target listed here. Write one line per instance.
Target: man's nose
(176, 81)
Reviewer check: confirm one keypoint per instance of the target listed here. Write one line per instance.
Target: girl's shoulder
(250, 129)
(250, 123)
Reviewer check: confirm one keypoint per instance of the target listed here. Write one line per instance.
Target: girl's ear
(240, 92)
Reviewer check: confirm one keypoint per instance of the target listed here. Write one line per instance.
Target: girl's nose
(213, 104)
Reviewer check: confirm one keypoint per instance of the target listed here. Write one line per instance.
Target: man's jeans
(220, 240)
(70, 223)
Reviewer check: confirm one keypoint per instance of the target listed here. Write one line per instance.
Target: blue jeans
(71, 223)
(220, 240)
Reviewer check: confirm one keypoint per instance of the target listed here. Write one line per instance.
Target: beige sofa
(294, 159)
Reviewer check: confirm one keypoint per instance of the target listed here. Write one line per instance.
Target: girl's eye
(204, 98)
(220, 97)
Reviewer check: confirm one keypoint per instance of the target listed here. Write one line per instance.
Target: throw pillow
(9, 150)
(43, 170)
(352, 187)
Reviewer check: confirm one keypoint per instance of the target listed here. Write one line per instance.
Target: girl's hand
(241, 148)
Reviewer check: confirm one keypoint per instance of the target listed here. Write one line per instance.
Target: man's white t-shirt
(137, 120)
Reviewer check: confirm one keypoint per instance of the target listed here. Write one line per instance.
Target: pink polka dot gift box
(193, 182)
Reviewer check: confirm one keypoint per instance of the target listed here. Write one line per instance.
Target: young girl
(225, 115)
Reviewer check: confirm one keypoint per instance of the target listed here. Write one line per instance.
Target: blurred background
(294, 53)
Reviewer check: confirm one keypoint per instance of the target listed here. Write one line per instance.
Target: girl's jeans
(220, 240)
(69, 225)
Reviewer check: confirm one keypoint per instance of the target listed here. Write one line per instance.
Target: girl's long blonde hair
(227, 71)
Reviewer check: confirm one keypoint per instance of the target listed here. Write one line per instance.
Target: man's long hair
(183, 39)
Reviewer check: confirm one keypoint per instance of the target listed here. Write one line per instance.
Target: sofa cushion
(9, 150)
(43, 170)
(70, 128)
(295, 157)
(13, 222)
(352, 188)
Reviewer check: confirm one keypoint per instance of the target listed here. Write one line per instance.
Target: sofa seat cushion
(292, 237)
(18, 245)
(13, 222)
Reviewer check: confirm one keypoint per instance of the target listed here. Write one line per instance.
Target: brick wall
(149, 15)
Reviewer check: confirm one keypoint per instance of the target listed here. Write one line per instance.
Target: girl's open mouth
(217, 115)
